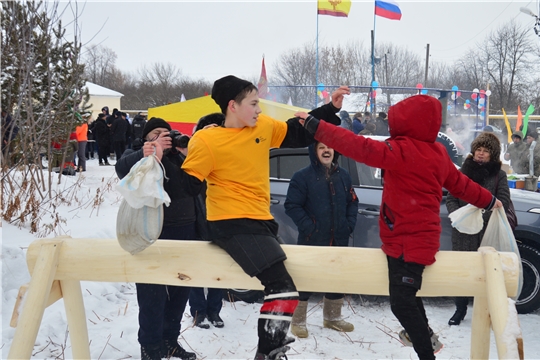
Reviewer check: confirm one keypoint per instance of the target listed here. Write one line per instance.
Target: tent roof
(191, 111)
(98, 90)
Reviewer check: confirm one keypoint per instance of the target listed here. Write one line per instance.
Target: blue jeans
(201, 306)
(161, 306)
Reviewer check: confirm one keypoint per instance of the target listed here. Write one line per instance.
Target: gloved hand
(309, 122)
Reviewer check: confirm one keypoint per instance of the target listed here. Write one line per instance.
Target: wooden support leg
(480, 329)
(54, 296)
(76, 317)
(507, 342)
(38, 295)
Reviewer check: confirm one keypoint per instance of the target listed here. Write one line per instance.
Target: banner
(507, 126)
(339, 8)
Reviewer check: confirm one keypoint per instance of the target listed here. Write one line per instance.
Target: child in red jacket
(416, 168)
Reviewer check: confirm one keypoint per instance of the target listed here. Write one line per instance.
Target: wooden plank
(54, 296)
(36, 301)
(317, 269)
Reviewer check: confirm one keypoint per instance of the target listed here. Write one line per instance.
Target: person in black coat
(120, 130)
(161, 307)
(102, 136)
(322, 203)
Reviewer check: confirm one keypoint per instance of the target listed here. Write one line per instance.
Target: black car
(368, 186)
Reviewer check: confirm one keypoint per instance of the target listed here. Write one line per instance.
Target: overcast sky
(212, 39)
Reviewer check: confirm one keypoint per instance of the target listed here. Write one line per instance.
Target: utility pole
(427, 65)
(386, 78)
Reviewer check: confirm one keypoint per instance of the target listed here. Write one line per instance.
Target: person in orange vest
(82, 139)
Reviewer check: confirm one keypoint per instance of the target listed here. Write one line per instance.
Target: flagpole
(317, 60)
(372, 61)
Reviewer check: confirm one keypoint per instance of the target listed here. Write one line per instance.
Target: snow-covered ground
(111, 308)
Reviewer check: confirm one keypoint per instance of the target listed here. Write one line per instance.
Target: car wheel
(529, 299)
(249, 296)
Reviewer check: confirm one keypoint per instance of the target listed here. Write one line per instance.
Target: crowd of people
(214, 198)
(108, 136)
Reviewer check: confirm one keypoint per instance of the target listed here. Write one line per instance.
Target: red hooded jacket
(416, 168)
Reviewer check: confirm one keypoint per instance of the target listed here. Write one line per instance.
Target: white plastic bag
(467, 219)
(140, 217)
(143, 186)
(499, 235)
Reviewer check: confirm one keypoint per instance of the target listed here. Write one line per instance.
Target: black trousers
(103, 153)
(119, 148)
(161, 306)
(405, 280)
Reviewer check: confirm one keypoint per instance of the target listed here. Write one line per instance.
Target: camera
(178, 139)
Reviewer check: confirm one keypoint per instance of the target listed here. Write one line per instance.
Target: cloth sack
(499, 235)
(137, 229)
(143, 185)
(140, 217)
(467, 219)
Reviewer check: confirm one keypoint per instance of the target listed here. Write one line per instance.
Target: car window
(368, 176)
(283, 167)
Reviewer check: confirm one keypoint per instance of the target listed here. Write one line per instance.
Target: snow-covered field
(111, 308)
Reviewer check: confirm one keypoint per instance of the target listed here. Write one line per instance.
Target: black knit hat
(489, 141)
(226, 89)
(532, 133)
(154, 123)
(214, 118)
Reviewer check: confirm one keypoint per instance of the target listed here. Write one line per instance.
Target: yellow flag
(334, 7)
(507, 126)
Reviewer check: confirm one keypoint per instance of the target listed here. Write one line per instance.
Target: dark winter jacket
(119, 129)
(524, 162)
(416, 168)
(381, 127)
(102, 133)
(137, 126)
(357, 126)
(489, 176)
(90, 132)
(181, 210)
(322, 203)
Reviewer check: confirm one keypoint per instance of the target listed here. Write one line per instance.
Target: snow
(98, 90)
(111, 308)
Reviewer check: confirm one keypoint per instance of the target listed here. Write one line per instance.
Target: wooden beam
(38, 294)
(54, 296)
(313, 268)
(508, 341)
(76, 318)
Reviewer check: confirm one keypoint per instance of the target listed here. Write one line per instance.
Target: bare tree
(505, 60)
(100, 64)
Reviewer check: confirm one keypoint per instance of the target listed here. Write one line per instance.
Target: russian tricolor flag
(388, 9)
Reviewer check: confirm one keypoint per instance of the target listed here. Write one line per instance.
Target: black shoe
(458, 316)
(101, 164)
(107, 163)
(171, 349)
(216, 320)
(152, 352)
(278, 353)
(199, 321)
